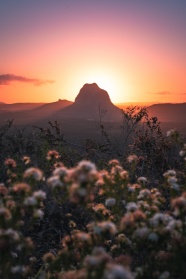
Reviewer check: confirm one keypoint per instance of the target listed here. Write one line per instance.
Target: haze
(133, 49)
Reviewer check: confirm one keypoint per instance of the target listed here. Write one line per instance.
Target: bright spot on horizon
(105, 80)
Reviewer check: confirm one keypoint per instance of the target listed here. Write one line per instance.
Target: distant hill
(168, 112)
(19, 106)
(34, 115)
(92, 103)
(51, 107)
(127, 104)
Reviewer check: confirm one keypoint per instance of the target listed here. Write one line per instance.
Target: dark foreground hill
(92, 103)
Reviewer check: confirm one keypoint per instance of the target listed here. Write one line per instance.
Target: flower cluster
(133, 230)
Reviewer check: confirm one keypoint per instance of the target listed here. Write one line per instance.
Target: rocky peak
(92, 94)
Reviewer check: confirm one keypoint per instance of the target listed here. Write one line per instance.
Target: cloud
(169, 93)
(163, 93)
(8, 79)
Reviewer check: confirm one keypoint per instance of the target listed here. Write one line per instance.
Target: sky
(134, 49)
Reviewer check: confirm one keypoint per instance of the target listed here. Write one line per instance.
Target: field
(84, 199)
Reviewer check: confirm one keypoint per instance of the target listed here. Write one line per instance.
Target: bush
(81, 222)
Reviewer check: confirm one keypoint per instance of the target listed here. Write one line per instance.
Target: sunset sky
(134, 49)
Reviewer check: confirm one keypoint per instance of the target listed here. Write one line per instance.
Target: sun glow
(105, 80)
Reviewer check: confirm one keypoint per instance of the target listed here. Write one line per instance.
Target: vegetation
(120, 216)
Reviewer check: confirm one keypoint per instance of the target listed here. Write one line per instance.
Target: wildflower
(132, 159)
(142, 179)
(114, 162)
(5, 213)
(48, 257)
(124, 174)
(39, 195)
(116, 170)
(116, 271)
(100, 208)
(30, 201)
(172, 181)
(18, 269)
(131, 206)
(160, 219)
(55, 182)
(153, 237)
(87, 166)
(179, 204)
(110, 202)
(3, 190)
(52, 154)
(121, 238)
(108, 227)
(84, 173)
(38, 214)
(170, 133)
(164, 275)
(169, 173)
(21, 187)
(145, 193)
(12, 234)
(97, 259)
(103, 227)
(182, 153)
(141, 232)
(10, 163)
(35, 173)
(61, 172)
(83, 237)
(26, 160)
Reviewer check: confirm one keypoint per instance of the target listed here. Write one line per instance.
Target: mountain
(168, 112)
(19, 106)
(92, 103)
(51, 108)
(34, 115)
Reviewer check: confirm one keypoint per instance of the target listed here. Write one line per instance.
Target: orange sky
(136, 53)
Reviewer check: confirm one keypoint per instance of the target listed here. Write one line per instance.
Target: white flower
(131, 207)
(54, 181)
(170, 133)
(87, 166)
(153, 237)
(169, 173)
(107, 226)
(182, 153)
(18, 269)
(30, 201)
(60, 172)
(110, 202)
(164, 275)
(35, 173)
(38, 213)
(13, 234)
(159, 219)
(145, 193)
(116, 271)
(141, 232)
(142, 179)
(39, 195)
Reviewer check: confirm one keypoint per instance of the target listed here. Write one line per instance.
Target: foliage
(82, 222)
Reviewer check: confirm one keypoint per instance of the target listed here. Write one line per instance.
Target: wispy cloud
(163, 93)
(8, 79)
(169, 93)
